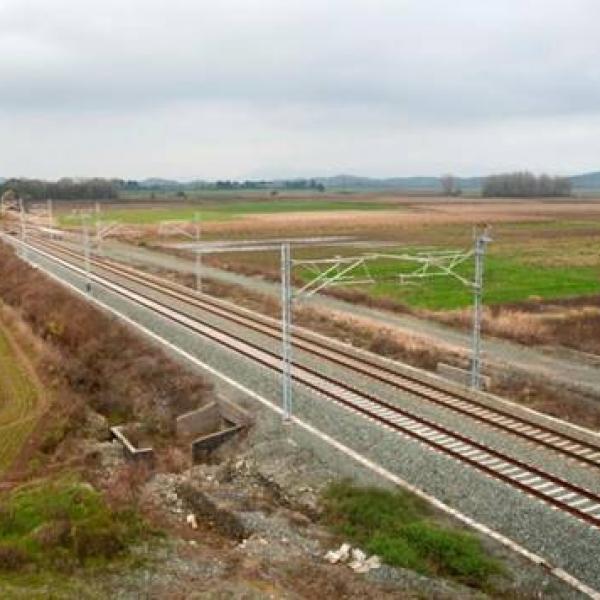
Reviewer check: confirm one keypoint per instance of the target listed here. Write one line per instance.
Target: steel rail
(553, 490)
(533, 432)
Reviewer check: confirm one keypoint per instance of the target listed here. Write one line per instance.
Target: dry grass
(510, 323)
(125, 484)
(537, 394)
(408, 220)
(23, 397)
(119, 373)
(573, 323)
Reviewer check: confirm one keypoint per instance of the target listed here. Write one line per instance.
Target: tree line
(288, 184)
(523, 184)
(64, 189)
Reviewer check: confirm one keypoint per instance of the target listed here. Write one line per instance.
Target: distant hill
(396, 183)
(158, 183)
(353, 181)
(587, 181)
(584, 182)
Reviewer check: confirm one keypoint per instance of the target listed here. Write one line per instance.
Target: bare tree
(449, 185)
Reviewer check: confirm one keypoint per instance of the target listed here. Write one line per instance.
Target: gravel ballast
(558, 537)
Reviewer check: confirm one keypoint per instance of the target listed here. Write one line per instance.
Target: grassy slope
(19, 404)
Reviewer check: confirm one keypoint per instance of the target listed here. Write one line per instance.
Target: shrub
(62, 523)
(400, 528)
(125, 485)
(99, 536)
(396, 551)
(450, 553)
(12, 557)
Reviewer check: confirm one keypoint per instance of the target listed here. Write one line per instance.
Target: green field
(506, 280)
(222, 211)
(551, 256)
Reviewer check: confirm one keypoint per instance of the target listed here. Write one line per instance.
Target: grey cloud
(323, 71)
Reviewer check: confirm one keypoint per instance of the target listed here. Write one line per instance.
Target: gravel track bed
(511, 445)
(560, 538)
(142, 258)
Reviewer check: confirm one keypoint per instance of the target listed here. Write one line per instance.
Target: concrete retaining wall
(145, 455)
(202, 447)
(212, 418)
(232, 412)
(202, 421)
(213, 424)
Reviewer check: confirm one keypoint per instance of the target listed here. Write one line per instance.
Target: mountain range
(585, 181)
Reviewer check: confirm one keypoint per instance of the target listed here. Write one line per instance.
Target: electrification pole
(481, 241)
(286, 329)
(198, 253)
(97, 225)
(50, 219)
(22, 212)
(86, 254)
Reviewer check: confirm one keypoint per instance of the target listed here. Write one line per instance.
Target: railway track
(555, 491)
(566, 445)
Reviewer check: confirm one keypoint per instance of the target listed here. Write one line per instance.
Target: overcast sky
(270, 88)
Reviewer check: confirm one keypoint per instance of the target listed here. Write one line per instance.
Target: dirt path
(572, 373)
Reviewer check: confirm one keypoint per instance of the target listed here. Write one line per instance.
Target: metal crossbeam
(178, 227)
(354, 270)
(106, 228)
(338, 272)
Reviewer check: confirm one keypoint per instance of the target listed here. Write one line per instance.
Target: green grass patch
(508, 278)
(400, 528)
(222, 211)
(61, 524)
(37, 585)
(145, 216)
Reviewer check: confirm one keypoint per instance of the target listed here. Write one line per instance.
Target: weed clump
(400, 528)
(62, 524)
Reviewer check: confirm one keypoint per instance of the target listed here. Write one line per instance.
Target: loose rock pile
(355, 558)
